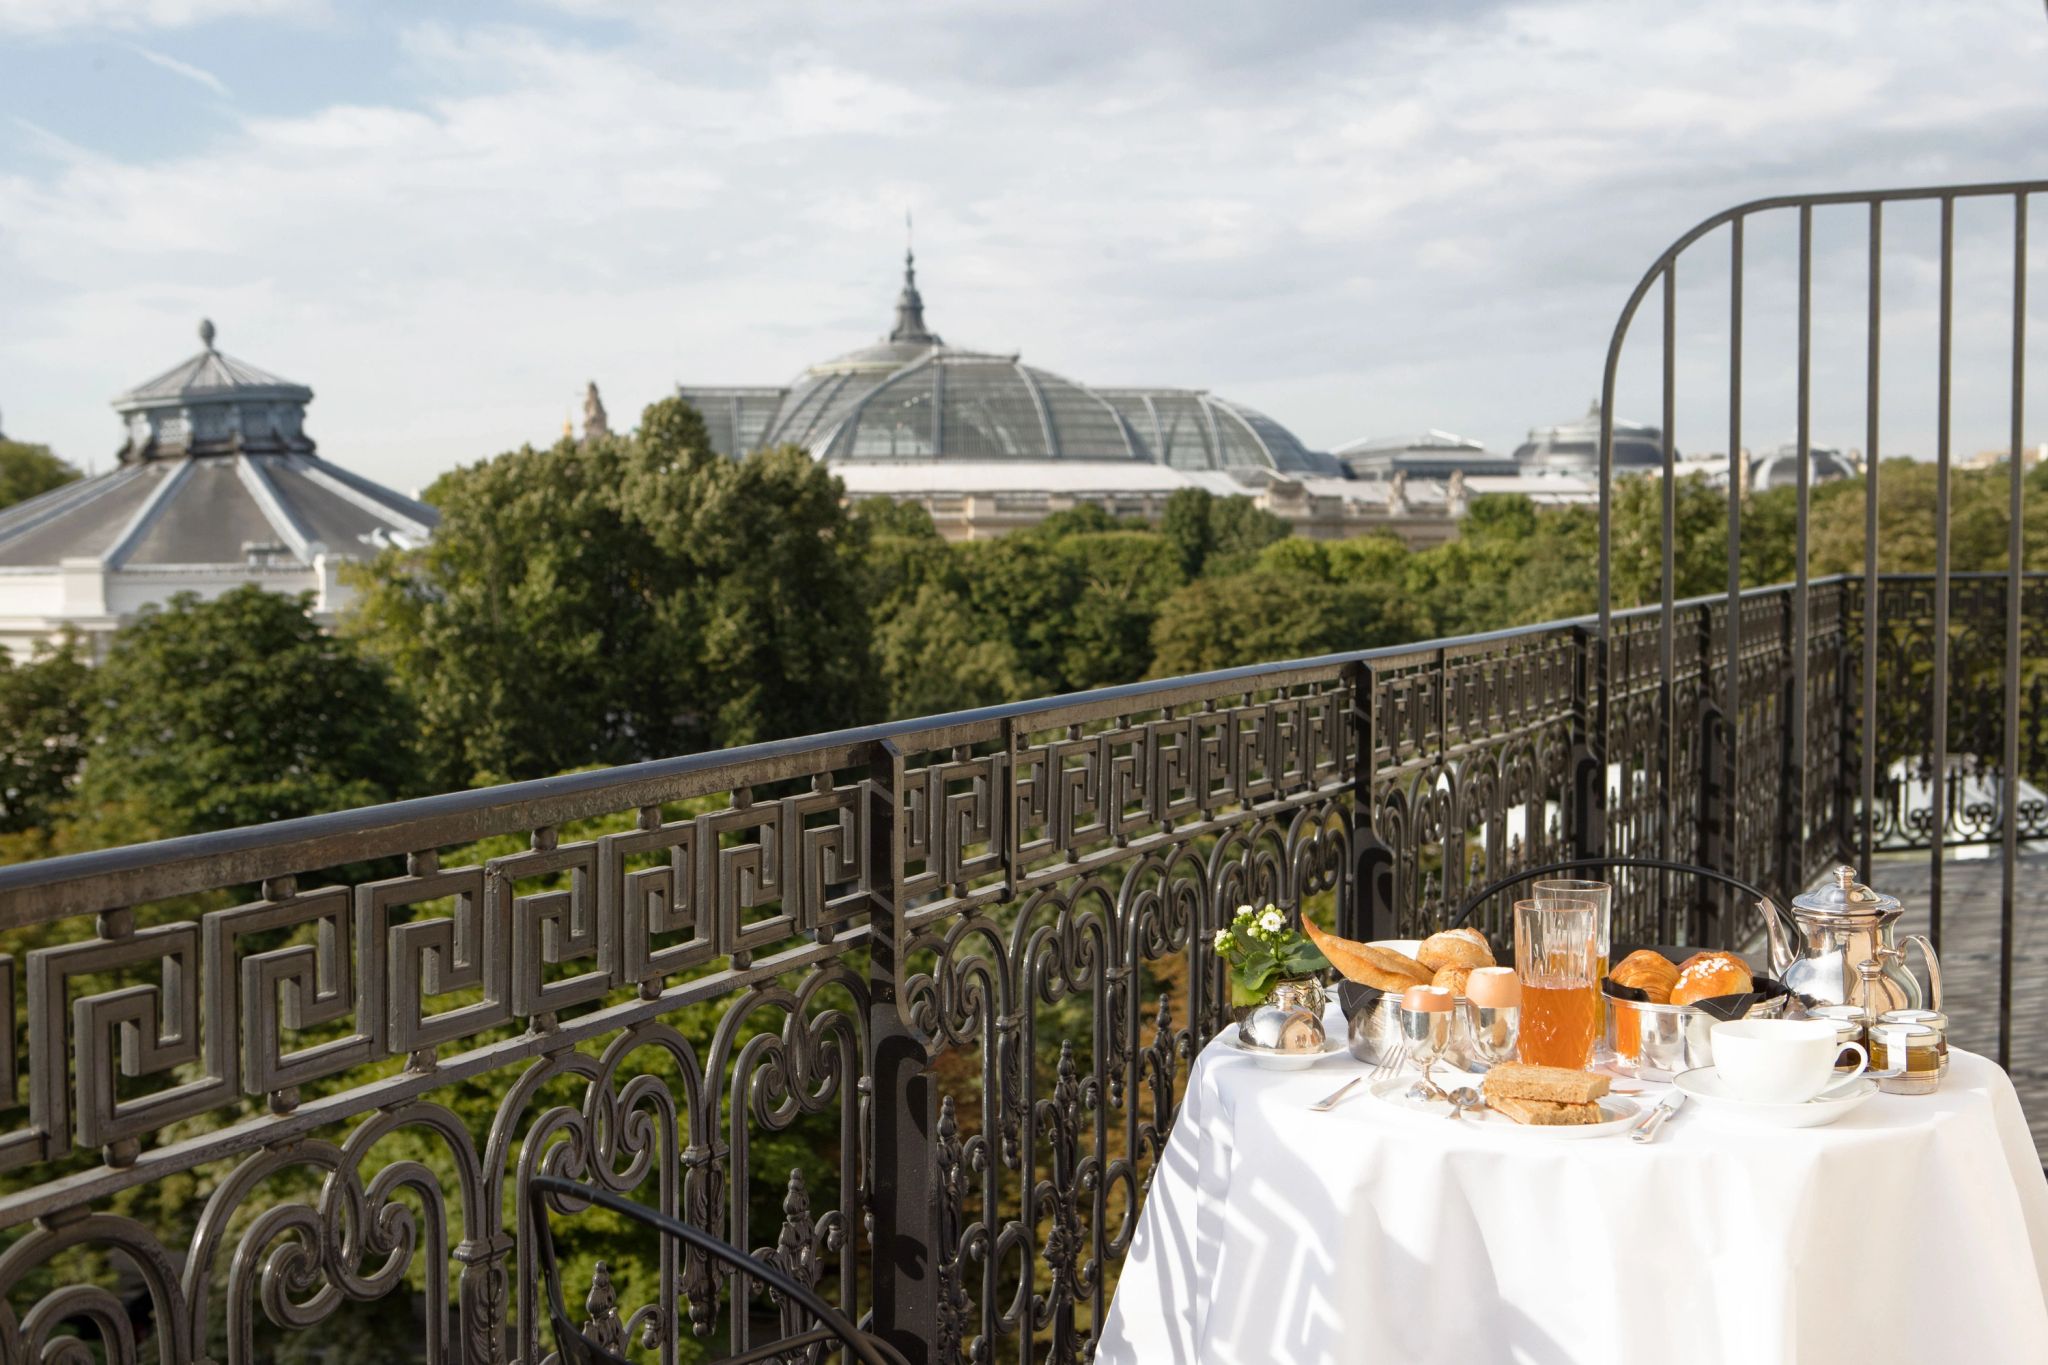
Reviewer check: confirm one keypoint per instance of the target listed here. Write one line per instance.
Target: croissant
(1649, 972)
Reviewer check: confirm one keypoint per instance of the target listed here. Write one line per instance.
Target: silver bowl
(1656, 1042)
(1373, 1032)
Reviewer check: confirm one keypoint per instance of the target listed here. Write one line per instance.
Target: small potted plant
(1270, 961)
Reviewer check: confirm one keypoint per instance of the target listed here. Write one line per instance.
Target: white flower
(1244, 912)
(1222, 939)
(1272, 921)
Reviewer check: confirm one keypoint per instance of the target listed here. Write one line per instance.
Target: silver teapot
(1820, 945)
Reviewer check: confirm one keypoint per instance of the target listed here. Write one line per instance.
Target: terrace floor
(1969, 957)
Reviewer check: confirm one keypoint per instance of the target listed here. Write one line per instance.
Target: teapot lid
(1844, 895)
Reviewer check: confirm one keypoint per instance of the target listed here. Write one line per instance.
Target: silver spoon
(1464, 1098)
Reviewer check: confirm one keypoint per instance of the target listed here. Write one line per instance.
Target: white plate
(1703, 1086)
(1284, 1061)
(1620, 1113)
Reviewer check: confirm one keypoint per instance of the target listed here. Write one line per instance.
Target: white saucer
(1619, 1113)
(1704, 1085)
(1284, 1061)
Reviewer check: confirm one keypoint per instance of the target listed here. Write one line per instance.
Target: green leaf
(1303, 958)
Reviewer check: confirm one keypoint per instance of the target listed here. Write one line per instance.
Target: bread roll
(1453, 979)
(1706, 975)
(1366, 963)
(1649, 972)
(1455, 948)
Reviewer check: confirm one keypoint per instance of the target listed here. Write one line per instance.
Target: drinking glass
(1602, 896)
(1556, 958)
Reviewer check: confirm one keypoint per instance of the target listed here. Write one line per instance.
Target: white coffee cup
(1780, 1061)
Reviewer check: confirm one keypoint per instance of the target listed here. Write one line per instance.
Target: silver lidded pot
(1281, 1028)
(1820, 945)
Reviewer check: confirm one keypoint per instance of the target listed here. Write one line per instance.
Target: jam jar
(1848, 1021)
(1934, 1019)
(1911, 1049)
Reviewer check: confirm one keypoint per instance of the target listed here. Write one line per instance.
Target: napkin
(1764, 989)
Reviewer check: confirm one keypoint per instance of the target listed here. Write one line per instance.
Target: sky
(1363, 218)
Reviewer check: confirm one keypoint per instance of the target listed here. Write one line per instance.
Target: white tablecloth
(1914, 1230)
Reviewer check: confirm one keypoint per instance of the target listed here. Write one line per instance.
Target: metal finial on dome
(206, 332)
(910, 304)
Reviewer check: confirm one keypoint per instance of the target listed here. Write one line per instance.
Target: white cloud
(196, 74)
(1359, 224)
(49, 16)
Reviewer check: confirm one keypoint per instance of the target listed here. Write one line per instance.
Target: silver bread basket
(1656, 1042)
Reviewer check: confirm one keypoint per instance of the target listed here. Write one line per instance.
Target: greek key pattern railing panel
(1472, 767)
(667, 979)
(1064, 1009)
(553, 975)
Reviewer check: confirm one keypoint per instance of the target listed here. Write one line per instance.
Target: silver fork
(1390, 1064)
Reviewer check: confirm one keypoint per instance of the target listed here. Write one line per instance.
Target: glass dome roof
(1780, 469)
(912, 397)
(1574, 447)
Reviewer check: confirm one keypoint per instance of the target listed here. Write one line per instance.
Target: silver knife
(1647, 1126)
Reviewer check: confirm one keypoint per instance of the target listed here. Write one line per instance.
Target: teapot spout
(1774, 929)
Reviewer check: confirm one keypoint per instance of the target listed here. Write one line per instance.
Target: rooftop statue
(595, 423)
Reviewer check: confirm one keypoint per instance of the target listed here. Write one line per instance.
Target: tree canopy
(43, 714)
(621, 599)
(26, 470)
(208, 715)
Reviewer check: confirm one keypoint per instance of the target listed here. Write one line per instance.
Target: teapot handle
(1933, 966)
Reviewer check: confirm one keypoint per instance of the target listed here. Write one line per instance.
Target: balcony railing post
(1589, 750)
(1714, 810)
(1369, 912)
(1791, 825)
(905, 1103)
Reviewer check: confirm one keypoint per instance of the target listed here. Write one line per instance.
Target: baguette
(1519, 1080)
(1368, 965)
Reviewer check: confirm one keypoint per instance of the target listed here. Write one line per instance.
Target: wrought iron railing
(1998, 716)
(962, 961)
(968, 956)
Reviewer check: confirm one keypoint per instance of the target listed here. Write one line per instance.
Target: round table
(1912, 1230)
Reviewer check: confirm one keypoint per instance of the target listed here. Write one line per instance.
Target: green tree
(1118, 580)
(1979, 519)
(26, 470)
(628, 598)
(1075, 609)
(209, 715)
(1209, 533)
(935, 658)
(1266, 614)
(901, 551)
(43, 711)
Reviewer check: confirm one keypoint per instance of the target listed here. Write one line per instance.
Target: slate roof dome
(216, 477)
(910, 396)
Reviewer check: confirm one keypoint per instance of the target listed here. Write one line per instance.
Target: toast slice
(1545, 1113)
(1519, 1080)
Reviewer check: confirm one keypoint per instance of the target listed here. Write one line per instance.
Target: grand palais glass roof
(911, 396)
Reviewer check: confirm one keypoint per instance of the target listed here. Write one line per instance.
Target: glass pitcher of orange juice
(1557, 951)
